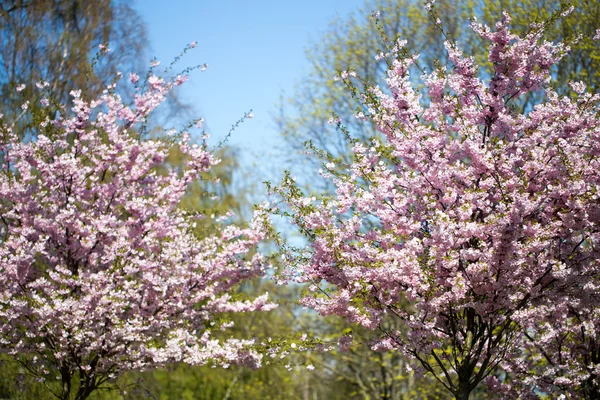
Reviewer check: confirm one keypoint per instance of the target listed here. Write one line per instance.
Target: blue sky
(255, 51)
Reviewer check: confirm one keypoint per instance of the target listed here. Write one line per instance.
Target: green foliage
(216, 192)
(370, 375)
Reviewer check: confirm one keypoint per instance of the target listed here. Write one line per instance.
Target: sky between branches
(255, 51)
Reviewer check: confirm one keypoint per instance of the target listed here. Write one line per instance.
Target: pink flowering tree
(473, 222)
(100, 269)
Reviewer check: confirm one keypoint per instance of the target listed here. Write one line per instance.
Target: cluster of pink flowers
(473, 222)
(101, 269)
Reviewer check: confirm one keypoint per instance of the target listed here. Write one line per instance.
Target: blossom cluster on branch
(474, 222)
(101, 269)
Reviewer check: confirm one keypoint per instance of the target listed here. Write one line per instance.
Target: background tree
(56, 40)
(367, 374)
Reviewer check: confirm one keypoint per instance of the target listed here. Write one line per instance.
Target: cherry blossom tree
(474, 223)
(101, 271)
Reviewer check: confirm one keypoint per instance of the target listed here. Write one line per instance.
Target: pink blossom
(134, 78)
(344, 342)
(101, 271)
(482, 216)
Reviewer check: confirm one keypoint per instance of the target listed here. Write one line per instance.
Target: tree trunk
(463, 392)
